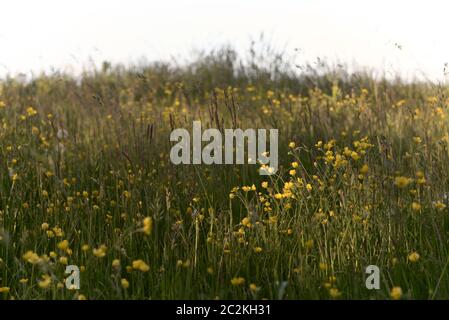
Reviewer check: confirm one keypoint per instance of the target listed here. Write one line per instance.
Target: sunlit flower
(237, 281)
(100, 252)
(31, 257)
(45, 282)
(31, 111)
(140, 265)
(257, 249)
(63, 260)
(334, 293)
(124, 283)
(147, 225)
(116, 263)
(63, 245)
(439, 205)
(396, 293)
(364, 169)
(253, 287)
(413, 257)
(416, 206)
(246, 222)
(4, 289)
(402, 182)
(309, 244)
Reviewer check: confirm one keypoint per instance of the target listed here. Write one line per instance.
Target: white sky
(39, 35)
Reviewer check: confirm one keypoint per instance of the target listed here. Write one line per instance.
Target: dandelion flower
(364, 169)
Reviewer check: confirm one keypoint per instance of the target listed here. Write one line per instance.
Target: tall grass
(87, 160)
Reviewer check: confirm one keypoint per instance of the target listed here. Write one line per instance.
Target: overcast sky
(410, 37)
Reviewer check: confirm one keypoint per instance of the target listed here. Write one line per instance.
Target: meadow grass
(86, 180)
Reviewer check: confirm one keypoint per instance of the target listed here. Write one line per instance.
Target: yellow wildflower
(253, 287)
(31, 257)
(147, 225)
(45, 282)
(4, 289)
(140, 265)
(413, 257)
(237, 281)
(100, 252)
(116, 263)
(396, 293)
(416, 206)
(124, 283)
(63, 245)
(31, 111)
(334, 293)
(402, 182)
(439, 205)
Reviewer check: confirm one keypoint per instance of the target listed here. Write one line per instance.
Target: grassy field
(86, 180)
